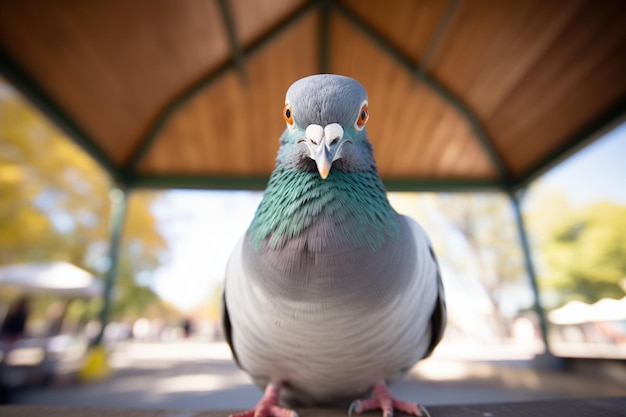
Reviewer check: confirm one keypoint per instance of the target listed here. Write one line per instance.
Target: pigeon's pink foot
(381, 399)
(268, 406)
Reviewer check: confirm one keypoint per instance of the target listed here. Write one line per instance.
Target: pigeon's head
(326, 116)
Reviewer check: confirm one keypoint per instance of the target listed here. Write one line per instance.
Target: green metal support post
(547, 360)
(118, 198)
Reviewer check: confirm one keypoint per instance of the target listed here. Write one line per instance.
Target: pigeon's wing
(426, 255)
(439, 316)
(227, 328)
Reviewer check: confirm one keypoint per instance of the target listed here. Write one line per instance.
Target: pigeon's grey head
(326, 116)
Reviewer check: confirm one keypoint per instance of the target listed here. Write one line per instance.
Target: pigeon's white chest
(329, 345)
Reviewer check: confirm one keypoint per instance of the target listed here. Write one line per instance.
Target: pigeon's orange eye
(364, 114)
(288, 115)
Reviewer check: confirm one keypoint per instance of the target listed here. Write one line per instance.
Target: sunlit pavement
(199, 375)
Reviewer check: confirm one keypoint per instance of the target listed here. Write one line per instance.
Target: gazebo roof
(463, 94)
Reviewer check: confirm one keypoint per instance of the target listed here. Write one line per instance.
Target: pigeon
(331, 294)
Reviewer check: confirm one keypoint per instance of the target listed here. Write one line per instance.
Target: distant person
(13, 328)
(14, 324)
(187, 327)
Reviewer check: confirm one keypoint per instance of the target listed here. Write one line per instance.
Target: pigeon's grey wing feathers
(426, 255)
(439, 317)
(227, 329)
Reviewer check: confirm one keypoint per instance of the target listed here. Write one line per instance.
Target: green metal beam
(438, 88)
(179, 101)
(231, 32)
(40, 98)
(199, 182)
(443, 185)
(118, 199)
(597, 128)
(438, 36)
(260, 182)
(167, 113)
(521, 229)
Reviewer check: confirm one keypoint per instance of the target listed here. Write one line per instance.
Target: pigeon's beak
(323, 161)
(323, 144)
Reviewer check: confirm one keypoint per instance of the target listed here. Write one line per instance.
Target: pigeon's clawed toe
(382, 399)
(268, 406)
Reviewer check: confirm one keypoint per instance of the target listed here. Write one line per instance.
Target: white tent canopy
(576, 312)
(60, 278)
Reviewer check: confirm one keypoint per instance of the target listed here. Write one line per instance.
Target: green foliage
(582, 251)
(143, 249)
(54, 205)
(31, 184)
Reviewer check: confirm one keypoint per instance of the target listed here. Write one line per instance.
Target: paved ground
(197, 375)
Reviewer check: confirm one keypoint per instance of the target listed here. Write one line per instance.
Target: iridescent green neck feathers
(355, 203)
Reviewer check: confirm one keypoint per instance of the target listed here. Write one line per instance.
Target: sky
(597, 172)
(204, 226)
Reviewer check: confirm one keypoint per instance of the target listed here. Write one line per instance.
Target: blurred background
(146, 285)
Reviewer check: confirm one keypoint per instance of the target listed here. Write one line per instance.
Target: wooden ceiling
(463, 94)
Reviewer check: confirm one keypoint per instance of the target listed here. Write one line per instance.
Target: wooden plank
(427, 112)
(112, 65)
(392, 115)
(441, 139)
(491, 45)
(475, 164)
(459, 144)
(585, 64)
(352, 55)
(254, 17)
(534, 72)
(408, 121)
(232, 129)
(601, 407)
(409, 25)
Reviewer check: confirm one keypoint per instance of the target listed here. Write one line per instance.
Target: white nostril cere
(333, 133)
(315, 133)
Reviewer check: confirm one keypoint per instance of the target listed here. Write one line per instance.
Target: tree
(54, 205)
(582, 251)
(143, 249)
(486, 223)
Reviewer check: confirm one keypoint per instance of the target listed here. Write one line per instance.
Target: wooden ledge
(598, 407)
